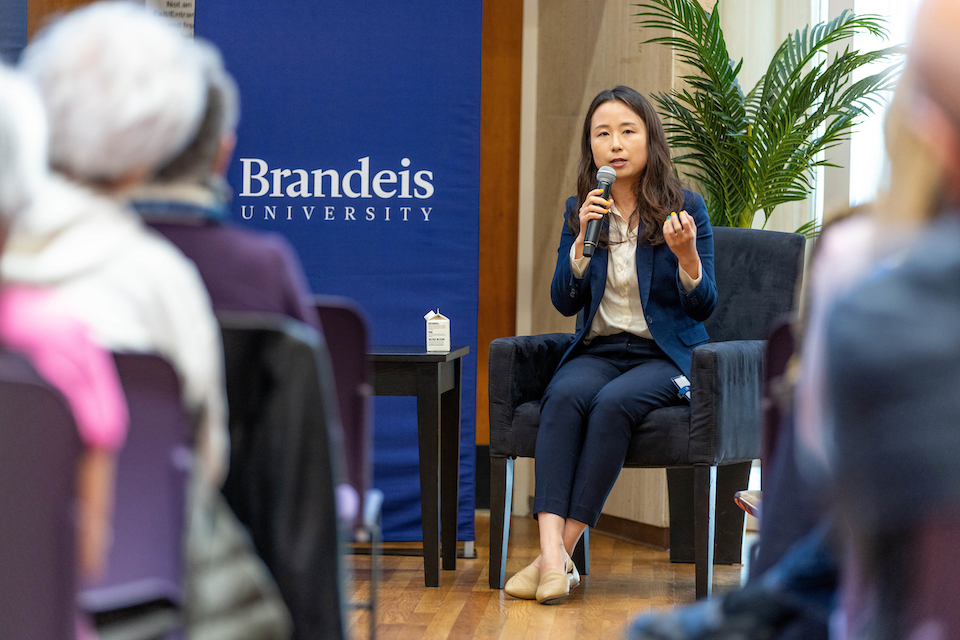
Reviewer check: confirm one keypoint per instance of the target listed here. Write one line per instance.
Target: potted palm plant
(752, 152)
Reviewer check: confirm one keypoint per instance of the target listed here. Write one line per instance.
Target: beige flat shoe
(524, 583)
(555, 585)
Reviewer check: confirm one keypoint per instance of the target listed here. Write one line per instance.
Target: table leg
(428, 436)
(450, 467)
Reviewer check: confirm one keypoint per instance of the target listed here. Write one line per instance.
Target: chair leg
(581, 553)
(704, 512)
(376, 541)
(501, 503)
(730, 518)
(728, 537)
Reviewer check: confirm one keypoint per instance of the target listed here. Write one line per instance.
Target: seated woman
(34, 323)
(645, 292)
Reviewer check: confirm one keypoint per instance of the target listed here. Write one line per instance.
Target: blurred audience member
(876, 409)
(187, 202)
(893, 368)
(250, 271)
(35, 323)
(125, 93)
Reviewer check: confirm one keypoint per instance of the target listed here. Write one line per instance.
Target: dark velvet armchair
(757, 275)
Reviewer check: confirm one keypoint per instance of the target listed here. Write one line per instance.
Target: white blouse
(620, 308)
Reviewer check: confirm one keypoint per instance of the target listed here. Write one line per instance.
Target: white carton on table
(438, 331)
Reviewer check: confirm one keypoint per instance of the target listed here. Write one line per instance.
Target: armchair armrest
(520, 368)
(726, 383)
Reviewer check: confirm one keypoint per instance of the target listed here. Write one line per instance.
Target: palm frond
(801, 48)
(696, 36)
(810, 230)
(756, 151)
(707, 119)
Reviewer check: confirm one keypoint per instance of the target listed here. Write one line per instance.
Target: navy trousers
(587, 417)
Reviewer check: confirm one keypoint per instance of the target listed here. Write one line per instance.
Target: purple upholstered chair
(345, 328)
(146, 561)
(39, 448)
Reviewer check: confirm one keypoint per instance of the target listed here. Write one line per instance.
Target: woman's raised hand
(593, 208)
(680, 233)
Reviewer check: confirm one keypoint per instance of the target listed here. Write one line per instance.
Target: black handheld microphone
(605, 178)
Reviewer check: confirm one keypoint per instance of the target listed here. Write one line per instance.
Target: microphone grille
(606, 174)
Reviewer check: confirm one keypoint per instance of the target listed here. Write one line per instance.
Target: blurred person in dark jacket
(187, 201)
(249, 271)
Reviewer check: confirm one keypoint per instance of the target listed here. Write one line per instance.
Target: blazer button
(573, 293)
(649, 319)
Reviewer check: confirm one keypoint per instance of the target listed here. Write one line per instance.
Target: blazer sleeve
(568, 293)
(700, 302)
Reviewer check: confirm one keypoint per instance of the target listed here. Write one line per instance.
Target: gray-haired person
(187, 201)
(125, 93)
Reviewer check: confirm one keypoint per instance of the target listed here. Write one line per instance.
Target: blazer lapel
(644, 271)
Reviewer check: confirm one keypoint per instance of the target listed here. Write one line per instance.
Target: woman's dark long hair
(657, 188)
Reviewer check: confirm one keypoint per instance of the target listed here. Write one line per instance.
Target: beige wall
(573, 50)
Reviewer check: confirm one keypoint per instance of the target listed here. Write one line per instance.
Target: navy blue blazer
(675, 317)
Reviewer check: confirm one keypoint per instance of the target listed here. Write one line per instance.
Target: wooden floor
(625, 579)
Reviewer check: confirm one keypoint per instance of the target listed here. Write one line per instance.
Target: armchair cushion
(721, 425)
(520, 369)
(661, 440)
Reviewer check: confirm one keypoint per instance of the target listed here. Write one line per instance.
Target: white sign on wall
(180, 11)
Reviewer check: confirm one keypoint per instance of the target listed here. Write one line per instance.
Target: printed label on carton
(438, 331)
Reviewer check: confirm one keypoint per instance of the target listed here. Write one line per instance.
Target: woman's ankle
(553, 558)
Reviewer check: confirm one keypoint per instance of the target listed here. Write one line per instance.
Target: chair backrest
(345, 328)
(146, 560)
(39, 449)
(757, 273)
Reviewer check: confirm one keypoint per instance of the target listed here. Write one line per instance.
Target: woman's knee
(569, 393)
(613, 409)
(631, 400)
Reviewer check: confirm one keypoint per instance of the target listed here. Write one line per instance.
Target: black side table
(434, 378)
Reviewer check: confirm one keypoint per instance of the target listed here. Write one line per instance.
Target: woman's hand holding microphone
(593, 208)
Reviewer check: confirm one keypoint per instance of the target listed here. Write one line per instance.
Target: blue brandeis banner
(13, 29)
(360, 141)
